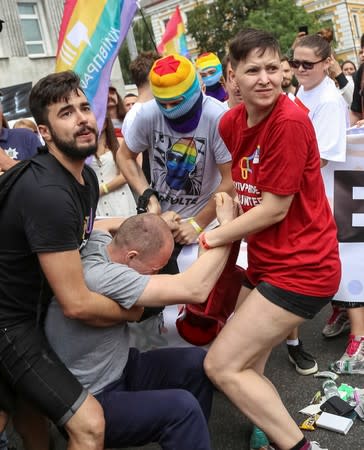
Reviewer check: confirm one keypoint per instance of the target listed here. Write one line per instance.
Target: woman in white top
(326, 108)
(328, 113)
(116, 197)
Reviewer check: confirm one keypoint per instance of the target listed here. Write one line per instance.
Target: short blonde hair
(26, 123)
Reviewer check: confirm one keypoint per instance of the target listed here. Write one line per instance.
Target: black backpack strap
(8, 179)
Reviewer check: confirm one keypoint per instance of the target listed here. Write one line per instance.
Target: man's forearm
(132, 172)
(100, 311)
(202, 275)
(208, 212)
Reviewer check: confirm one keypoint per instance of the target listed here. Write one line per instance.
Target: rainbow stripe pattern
(174, 37)
(89, 40)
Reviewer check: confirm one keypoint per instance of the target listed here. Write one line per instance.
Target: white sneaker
(316, 446)
(337, 323)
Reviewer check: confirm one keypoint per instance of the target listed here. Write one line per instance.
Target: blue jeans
(3, 441)
(163, 396)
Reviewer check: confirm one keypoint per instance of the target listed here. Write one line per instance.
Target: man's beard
(70, 148)
(286, 82)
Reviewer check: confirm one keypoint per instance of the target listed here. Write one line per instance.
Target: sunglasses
(307, 65)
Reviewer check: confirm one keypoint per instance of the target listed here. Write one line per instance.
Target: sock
(303, 444)
(293, 342)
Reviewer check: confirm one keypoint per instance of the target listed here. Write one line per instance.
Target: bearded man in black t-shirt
(45, 221)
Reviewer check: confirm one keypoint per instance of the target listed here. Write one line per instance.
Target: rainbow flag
(89, 40)
(174, 38)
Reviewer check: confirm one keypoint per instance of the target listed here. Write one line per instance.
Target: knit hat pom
(171, 77)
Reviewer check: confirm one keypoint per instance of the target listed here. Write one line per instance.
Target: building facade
(28, 41)
(347, 19)
(28, 47)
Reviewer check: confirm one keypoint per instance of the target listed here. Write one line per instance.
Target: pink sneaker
(355, 348)
(352, 361)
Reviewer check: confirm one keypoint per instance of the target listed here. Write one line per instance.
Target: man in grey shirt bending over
(157, 396)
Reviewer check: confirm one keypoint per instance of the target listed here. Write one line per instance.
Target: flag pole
(147, 26)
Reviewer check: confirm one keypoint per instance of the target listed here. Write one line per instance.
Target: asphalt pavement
(230, 430)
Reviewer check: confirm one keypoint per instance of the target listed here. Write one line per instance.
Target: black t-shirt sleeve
(356, 103)
(51, 220)
(342, 81)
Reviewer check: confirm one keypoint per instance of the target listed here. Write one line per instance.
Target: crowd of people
(211, 153)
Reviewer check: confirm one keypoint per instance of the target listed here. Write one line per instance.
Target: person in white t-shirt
(329, 116)
(177, 132)
(188, 159)
(326, 107)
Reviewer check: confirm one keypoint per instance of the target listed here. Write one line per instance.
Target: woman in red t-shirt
(293, 261)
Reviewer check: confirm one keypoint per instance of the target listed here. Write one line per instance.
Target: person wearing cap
(15, 144)
(188, 159)
(161, 395)
(209, 67)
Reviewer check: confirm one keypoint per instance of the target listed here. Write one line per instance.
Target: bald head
(144, 242)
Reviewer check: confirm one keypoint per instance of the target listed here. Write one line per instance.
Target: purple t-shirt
(19, 143)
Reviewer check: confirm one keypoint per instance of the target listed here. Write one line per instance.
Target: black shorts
(347, 305)
(7, 397)
(304, 306)
(31, 369)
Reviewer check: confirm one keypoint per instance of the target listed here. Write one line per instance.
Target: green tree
(143, 43)
(213, 25)
(282, 18)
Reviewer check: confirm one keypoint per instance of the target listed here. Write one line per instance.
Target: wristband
(143, 200)
(203, 243)
(195, 225)
(104, 188)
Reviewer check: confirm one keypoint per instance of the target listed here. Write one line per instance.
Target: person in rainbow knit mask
(209, 67)
(188, 159)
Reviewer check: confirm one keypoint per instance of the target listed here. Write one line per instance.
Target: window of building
(357, 28)
(2, 41)
(31, 26)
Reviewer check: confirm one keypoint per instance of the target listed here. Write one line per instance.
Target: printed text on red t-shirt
(248, 194)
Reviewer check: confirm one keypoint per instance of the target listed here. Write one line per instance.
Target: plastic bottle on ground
(330, 389)
(355, 367)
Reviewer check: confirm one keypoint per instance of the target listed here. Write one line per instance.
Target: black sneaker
(304, 362)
